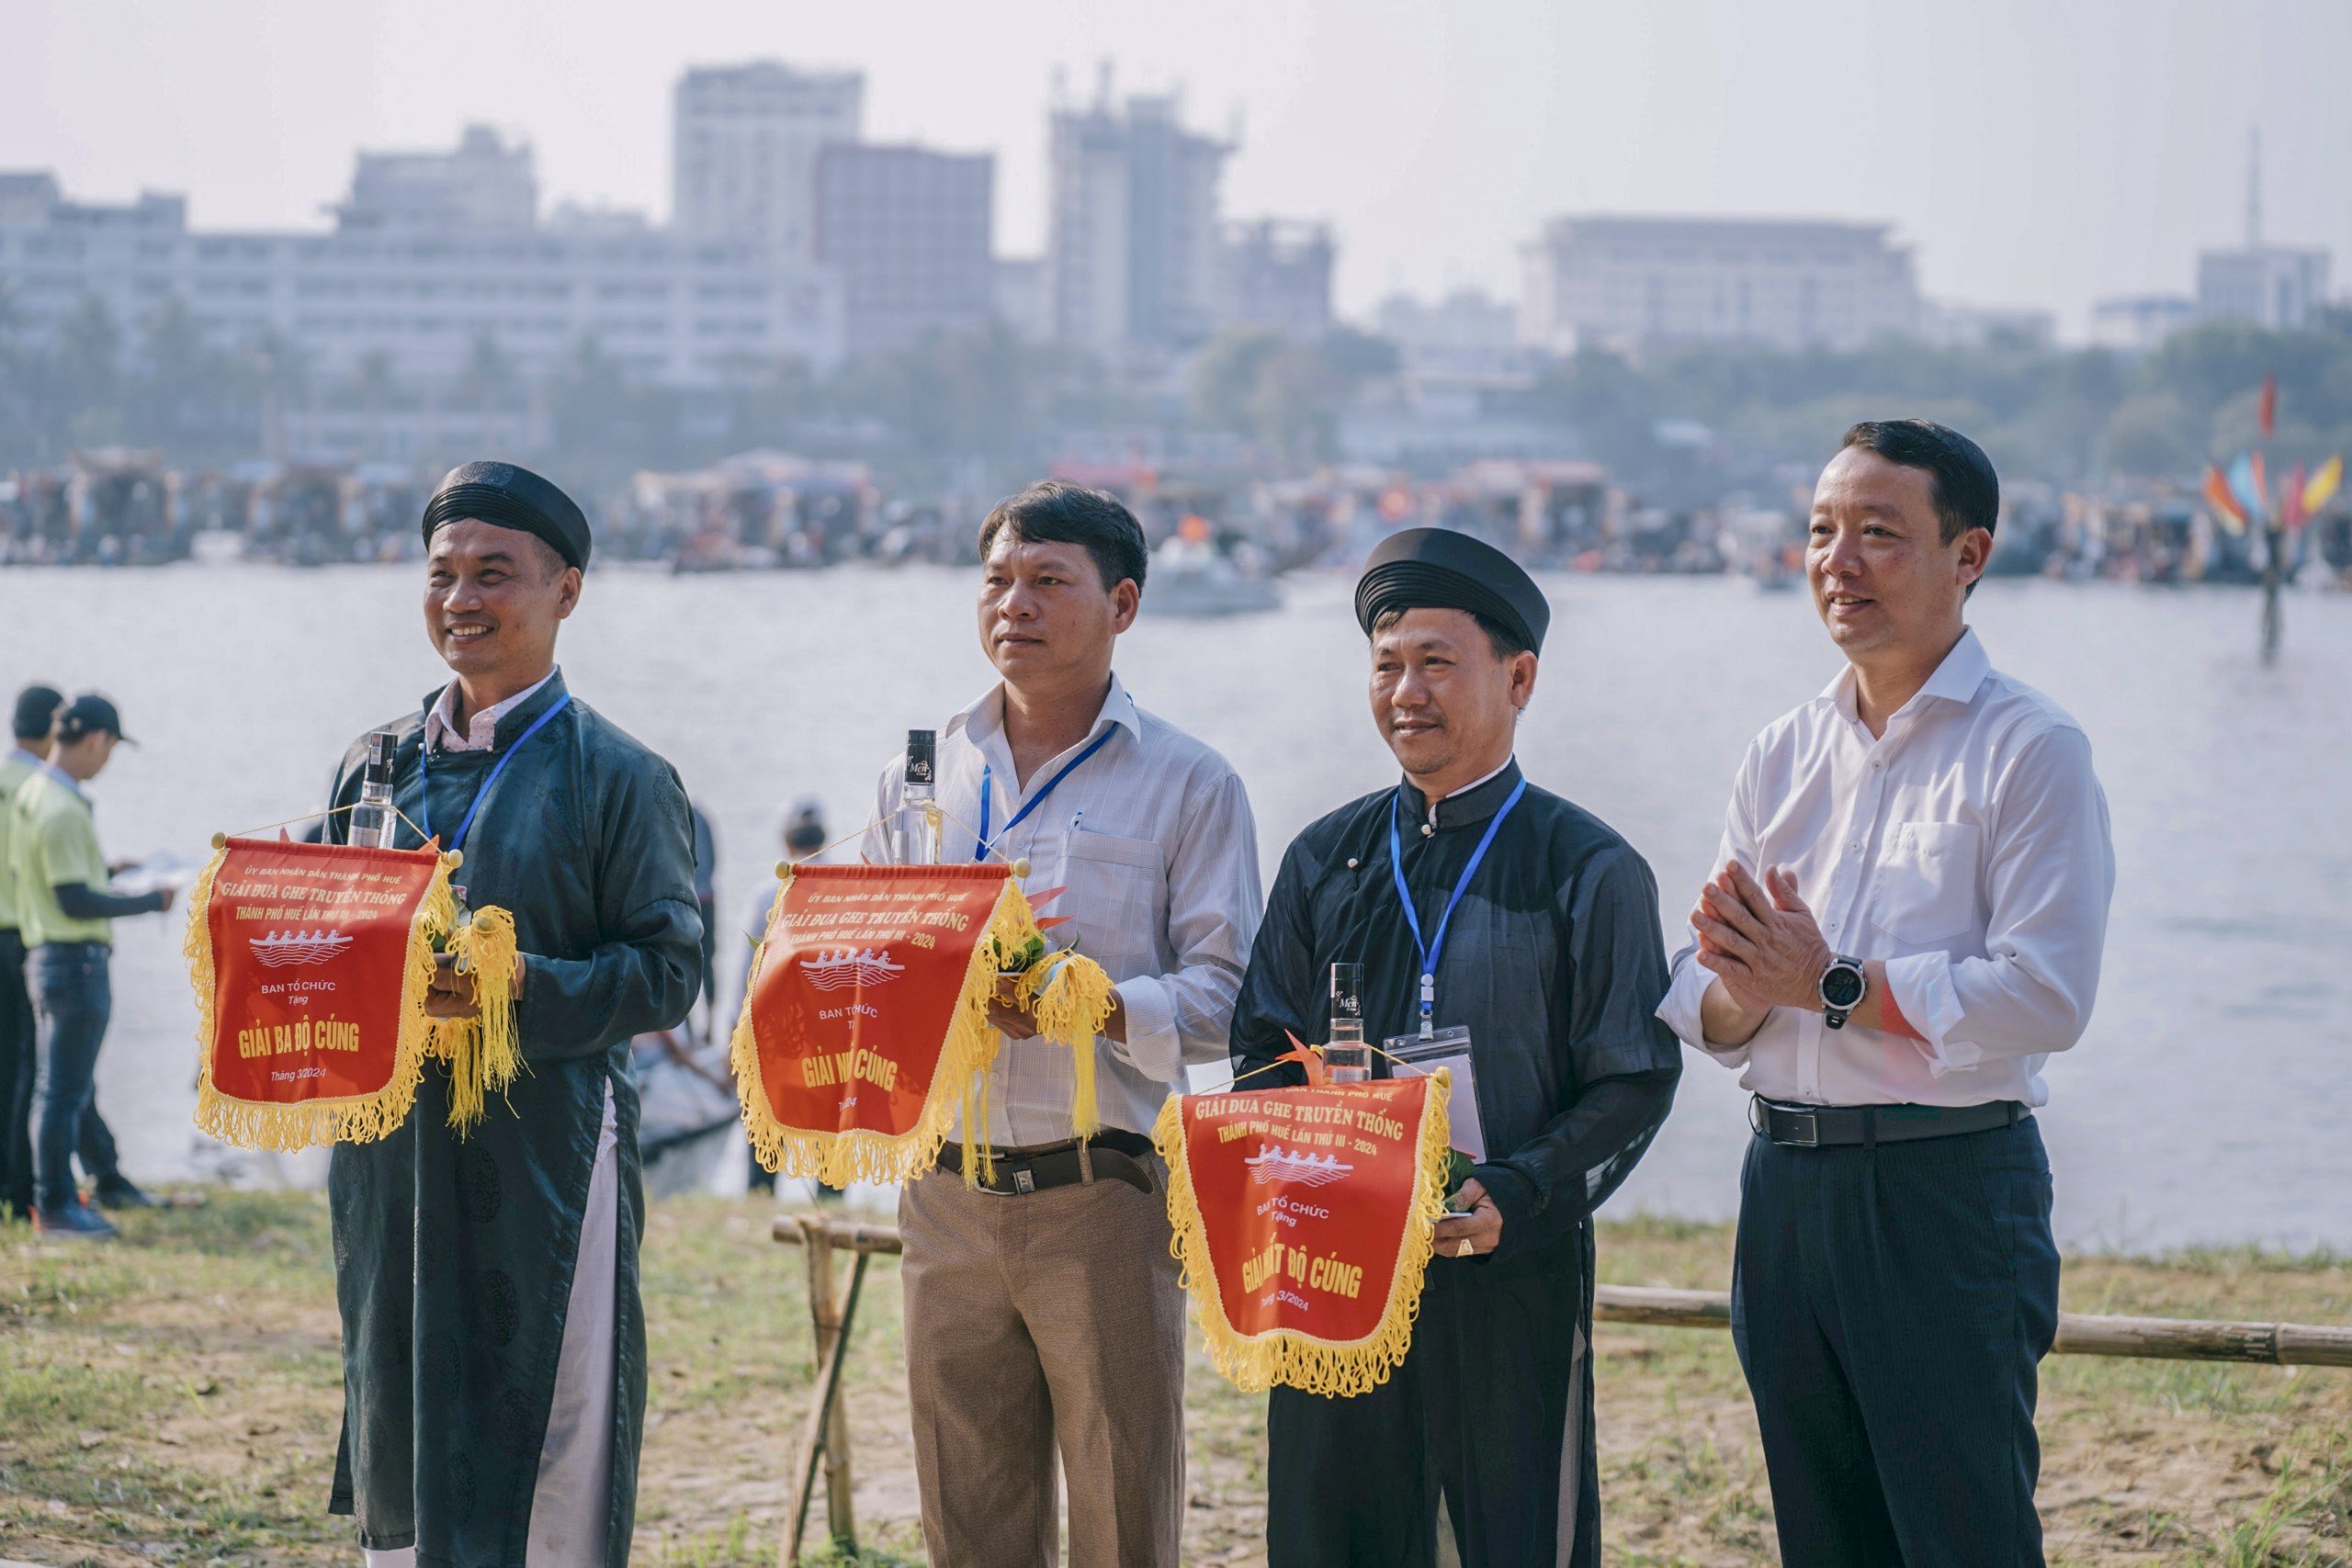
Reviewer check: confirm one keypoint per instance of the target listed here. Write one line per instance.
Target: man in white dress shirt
(1907, 921)
(1044, 1310)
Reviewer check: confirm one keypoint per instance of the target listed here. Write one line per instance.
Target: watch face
(1841, 986)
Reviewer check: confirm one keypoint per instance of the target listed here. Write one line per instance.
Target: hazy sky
(2036, 152)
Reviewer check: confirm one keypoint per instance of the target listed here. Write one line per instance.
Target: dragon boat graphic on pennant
(281, 950)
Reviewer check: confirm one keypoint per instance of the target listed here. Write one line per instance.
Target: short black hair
(36, 712)
(1055, 512)
(1500, 637)
(1965, 489)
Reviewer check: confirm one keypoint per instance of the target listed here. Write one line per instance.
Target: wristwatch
(1843, 986)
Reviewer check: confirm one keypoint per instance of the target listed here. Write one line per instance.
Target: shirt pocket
(1117, 889)
(1926, 883)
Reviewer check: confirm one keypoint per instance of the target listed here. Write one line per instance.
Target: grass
(173, 1397)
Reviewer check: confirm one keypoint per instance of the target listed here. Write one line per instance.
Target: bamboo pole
(2079, 1334)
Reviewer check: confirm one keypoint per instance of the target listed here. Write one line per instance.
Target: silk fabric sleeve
(1622, 1059)
(643, 973)
(1280, 991)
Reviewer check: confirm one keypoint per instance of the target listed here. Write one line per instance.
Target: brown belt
(1114, 1153)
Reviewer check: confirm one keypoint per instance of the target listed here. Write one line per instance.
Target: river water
(2210, 1101)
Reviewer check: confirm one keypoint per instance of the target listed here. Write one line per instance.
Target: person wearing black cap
(57, 884)
(36, 716)
(1476, 902)
(494, 1342)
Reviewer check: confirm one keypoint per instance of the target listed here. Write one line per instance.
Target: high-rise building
(1132, 250)
(1276, 274)
(410, 289)
(2276, 287)
(744, 142)
(484, 184)
(1620, 281)
(908, 230)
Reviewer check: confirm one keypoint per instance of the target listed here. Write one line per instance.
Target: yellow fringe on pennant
(1254, 1363)
(1070, 994)
(358, 1119)
(484, 1052)
(838, 1158)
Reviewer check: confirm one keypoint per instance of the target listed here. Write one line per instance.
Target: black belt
(1826, 1126)
(1116, 1155)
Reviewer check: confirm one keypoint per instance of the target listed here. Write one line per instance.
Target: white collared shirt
(1967, 847)
(481, 730)
(1153, 839)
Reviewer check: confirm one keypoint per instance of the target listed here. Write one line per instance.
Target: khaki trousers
(1054, 1318)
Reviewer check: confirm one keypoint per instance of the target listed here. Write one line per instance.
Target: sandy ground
(173, 1398)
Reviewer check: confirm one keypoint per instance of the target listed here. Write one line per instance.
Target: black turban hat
(510, 497)
(1445, 568)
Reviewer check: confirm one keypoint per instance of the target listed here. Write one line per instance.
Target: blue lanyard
(1429, 951)
(424, 795)
(988, 779)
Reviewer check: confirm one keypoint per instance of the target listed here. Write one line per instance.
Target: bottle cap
(381, 744)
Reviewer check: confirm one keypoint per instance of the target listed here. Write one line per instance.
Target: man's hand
(1760, 940)
(452, 994)
(1016, 1023)
(1477, 1231)
(1009, 1016)
(164, 896)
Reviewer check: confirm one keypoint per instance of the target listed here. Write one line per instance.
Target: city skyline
(1435, 144)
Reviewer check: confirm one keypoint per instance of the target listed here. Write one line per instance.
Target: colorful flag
(2270, 410)
(867, 1024)
(311, 964)
(2323, 486)
(2290, 499)
(2245, 483)
(1305, 1220)
(2225, 505)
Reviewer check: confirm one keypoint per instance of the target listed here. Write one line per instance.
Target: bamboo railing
(825, 1434)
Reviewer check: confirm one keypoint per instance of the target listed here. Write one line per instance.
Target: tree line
(987, 406)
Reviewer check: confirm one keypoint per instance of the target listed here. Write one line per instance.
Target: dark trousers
(1890, 1306)
(72, 998)
(1492, 1408)
(16, 1058)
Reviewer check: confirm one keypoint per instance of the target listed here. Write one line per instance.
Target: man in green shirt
(58, 881)
(35, 716)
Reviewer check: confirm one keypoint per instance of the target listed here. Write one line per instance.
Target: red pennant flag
(2269, 406)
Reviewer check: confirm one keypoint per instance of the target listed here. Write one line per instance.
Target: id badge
(1450, 1049)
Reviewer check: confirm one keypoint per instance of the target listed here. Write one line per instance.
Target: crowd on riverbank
(768, 510)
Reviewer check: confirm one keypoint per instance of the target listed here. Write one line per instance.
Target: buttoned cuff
(1921, 987)
(1153, 1047)
(1683, 1010)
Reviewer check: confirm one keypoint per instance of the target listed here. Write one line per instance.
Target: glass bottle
(1346, 1057)
(373, 821)
(917, 829)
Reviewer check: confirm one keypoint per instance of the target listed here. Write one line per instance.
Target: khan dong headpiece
(510, 497)
(1445, 568)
